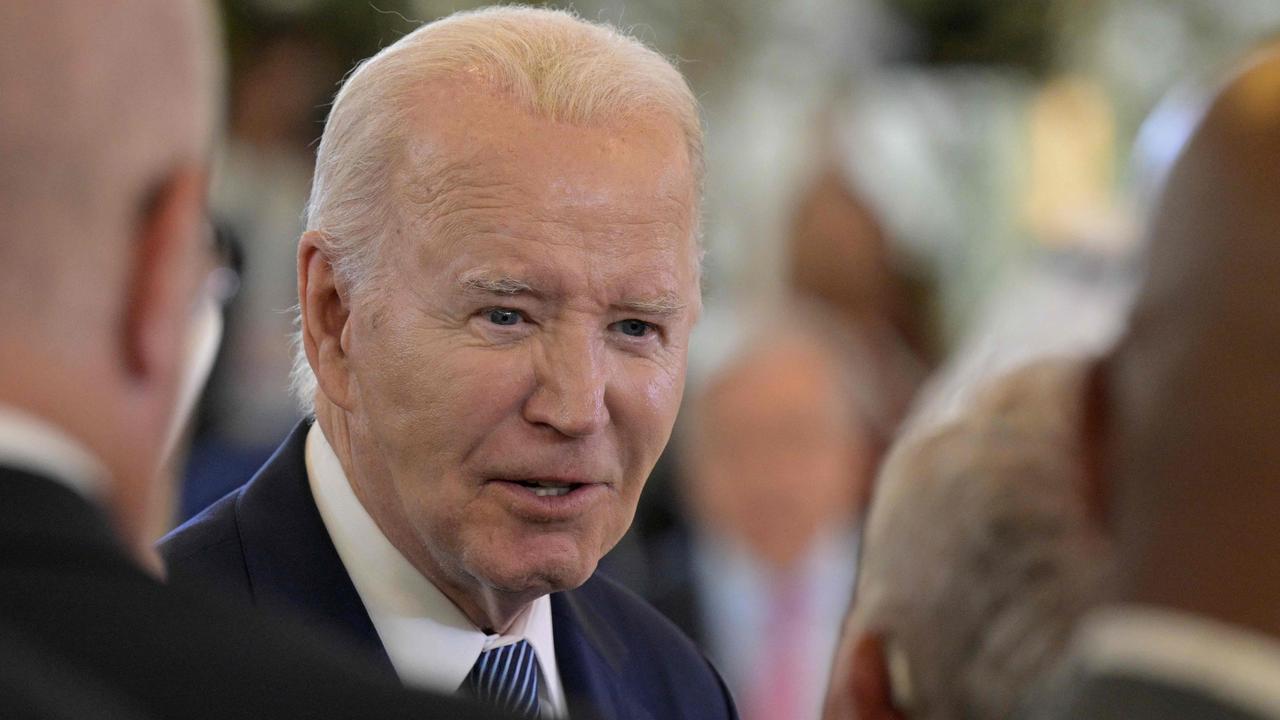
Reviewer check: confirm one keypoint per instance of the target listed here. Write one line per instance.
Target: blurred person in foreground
(497, 285)
(775, 460)
(1184, 440)
(106, 331)
(981, 553)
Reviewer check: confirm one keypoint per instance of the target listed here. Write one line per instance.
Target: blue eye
(634, 328)
(503, 316)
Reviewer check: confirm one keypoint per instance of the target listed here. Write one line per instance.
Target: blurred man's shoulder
(85, 611)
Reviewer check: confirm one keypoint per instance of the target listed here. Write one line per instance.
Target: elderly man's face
(519, 374)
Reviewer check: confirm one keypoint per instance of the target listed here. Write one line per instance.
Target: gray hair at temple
(552, 62)
(980, 552)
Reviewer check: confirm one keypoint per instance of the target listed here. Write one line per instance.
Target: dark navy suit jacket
(86, 633)
(617, 656)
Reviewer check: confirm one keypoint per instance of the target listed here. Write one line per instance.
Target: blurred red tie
(776, 688)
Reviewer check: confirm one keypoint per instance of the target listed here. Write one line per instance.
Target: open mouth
(549, 499)
(542, 489)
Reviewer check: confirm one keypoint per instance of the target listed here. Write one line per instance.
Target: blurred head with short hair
(107, 114)
(776, 438)
(1181, 438)
(1188, 405)
(980, 552)
(776, 455)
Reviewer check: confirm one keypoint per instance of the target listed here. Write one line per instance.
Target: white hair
(552, 62)
(979, 552)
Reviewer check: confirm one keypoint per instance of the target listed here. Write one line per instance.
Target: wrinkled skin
(532, 323)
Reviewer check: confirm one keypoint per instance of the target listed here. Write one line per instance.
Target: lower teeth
(555, 491)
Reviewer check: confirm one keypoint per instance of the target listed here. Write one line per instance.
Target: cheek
(652, 400)
(426, 387)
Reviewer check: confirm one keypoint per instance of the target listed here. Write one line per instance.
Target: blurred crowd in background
(904, 198)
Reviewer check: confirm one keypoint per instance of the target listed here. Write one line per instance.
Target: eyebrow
(500, 285)
(664, 305)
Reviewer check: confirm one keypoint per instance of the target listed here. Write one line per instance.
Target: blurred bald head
(99, 101)
(106, 115)
(1192, 440)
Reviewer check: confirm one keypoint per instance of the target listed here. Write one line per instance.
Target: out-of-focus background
(904, 197)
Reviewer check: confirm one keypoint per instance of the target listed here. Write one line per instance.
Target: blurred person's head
(497, 283)
(980, 553)
(107, 111)
(839, 251)
(775, 439)
(840, 254)
(1186, 433)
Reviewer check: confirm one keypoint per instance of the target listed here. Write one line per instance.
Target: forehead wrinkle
(459, 212)
(438, 184)
(445, 188)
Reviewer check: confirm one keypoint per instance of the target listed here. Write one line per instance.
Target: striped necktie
(507, 678)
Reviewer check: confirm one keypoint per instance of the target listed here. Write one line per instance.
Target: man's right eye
(503, 316)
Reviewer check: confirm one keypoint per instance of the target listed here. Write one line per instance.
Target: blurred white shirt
(734, 593)
(31, 444)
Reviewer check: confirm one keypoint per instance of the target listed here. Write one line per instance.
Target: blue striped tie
(506, 677)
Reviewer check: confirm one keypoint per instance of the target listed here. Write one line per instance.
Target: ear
(163, 276)
(870, 684)
(325, 315)
(1094, 421)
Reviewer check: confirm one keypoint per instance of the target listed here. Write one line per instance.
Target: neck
(487, 608)
(61, 394)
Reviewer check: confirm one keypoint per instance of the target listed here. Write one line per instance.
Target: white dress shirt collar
(1234, 664)
(31, 444)
(430, 641)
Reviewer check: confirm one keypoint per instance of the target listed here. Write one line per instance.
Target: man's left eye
(634, 328)
(503, 316)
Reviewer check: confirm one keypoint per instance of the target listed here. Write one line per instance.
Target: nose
(571, 376)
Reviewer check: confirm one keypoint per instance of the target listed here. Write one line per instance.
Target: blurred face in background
(514, 382)
(777, 454)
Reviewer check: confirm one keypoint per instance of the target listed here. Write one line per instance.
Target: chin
(540, 576)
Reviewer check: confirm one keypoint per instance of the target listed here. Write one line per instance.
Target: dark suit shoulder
(36, 683)
(208, 548)
(79, 614)
(655, 655)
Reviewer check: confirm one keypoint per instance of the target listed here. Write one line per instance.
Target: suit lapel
(290, 560)
(590, 657)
